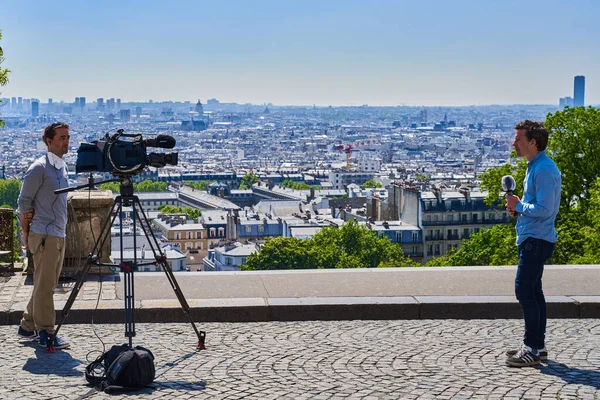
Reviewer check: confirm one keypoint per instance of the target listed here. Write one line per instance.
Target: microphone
(508, 184)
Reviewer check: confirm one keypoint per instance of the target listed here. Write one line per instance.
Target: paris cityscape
(310, 164)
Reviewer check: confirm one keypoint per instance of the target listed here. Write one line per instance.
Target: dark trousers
(533, 253)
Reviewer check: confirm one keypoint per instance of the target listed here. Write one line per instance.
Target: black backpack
(121, 369)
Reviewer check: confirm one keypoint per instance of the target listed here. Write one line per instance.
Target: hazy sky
(324, 52)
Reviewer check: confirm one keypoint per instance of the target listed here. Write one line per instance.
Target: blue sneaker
(27, 335)
(58, 342)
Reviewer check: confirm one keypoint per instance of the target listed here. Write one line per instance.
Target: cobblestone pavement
(14, 290)
(441, 359)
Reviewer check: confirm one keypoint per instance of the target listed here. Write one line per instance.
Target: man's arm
(31, 185)
(545, 202)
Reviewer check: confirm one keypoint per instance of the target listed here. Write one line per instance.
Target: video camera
(124, 157)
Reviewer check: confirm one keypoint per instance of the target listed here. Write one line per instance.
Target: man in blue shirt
(536, 237)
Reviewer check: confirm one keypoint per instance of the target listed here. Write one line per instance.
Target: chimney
(438, 194)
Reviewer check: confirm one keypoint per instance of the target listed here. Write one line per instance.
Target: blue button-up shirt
(541, 200)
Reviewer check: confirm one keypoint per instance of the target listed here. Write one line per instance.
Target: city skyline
(338, 53)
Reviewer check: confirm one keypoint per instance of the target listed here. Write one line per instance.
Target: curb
(321, 308)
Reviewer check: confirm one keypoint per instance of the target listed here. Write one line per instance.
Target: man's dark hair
(534, 130)
(50, 130)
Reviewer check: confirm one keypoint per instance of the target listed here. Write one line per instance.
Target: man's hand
(26, 218)
(511, 204)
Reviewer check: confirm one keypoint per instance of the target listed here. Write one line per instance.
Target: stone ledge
(319, 308)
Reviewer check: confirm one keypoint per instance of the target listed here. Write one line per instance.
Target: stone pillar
(88, 211)
(87, 214)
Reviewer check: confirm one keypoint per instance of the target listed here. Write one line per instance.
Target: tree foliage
(283, 253)
(589, 236)
(9, 192)
(202, 185)
(288, 183)
(575, 147)
(494, 246)
(192, 213)
(3, 72)
(146, 186)
(372, 184)
(248, 180)
(350, 246)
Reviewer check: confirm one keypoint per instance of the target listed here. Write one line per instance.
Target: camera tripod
(126, 198)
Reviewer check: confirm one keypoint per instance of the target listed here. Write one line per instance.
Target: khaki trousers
(48, 255)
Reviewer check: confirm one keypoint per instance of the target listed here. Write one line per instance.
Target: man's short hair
(50, 130)
(534, 130)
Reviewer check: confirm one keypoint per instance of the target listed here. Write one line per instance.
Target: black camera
(124, 157)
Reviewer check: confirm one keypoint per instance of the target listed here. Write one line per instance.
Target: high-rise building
(82, 102)
(199, 108)
(35, 108)
(124, 115)
(138, 111)
(77, 102)
(49, 102)
(118, 103)
(13, 103)
(579, 91)
(100, 102)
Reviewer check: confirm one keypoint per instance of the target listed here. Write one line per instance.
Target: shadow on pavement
(570, 375)
(60, 363)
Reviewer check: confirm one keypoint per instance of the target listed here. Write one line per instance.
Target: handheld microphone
(508, 184)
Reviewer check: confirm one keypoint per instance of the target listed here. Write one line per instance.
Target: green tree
(248, 180)
(589, 238)
(422, 178)
(350, 246)
(202, 185)
(112, 186)
(3, 73)
(9, 192)
(146, 186)
(283, 253)
(372, 184)
(575, 147)
(494, 246)
(288, 183)
(191, 213)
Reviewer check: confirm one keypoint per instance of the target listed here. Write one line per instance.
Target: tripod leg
(92, 258)
(162, 260)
